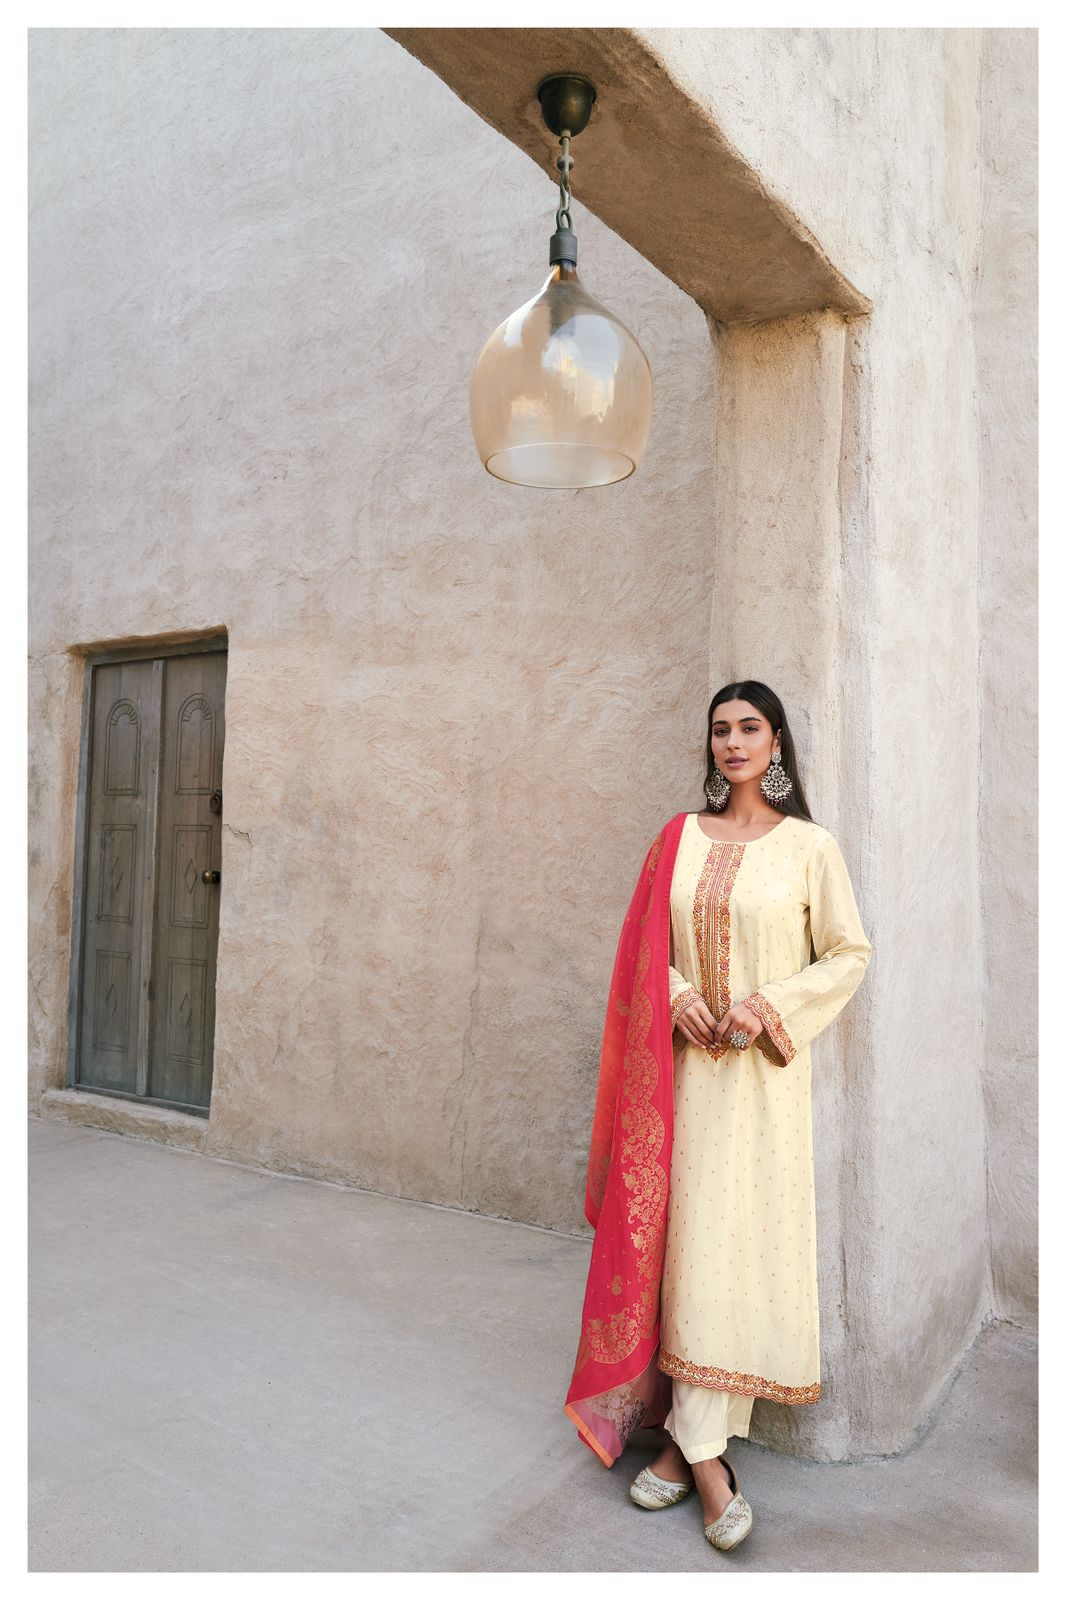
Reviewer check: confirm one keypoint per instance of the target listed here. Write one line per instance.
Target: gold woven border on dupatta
(737, 1382)
(614, 1338)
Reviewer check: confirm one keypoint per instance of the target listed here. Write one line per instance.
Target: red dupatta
(616, 1385)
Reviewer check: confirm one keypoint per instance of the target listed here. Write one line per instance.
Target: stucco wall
(913, 163)
(457, 711)
(1005, 336)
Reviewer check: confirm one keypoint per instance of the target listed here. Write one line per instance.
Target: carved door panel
(152, 878)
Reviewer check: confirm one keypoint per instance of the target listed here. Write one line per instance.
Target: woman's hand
(697, 1023)
(737, 1017)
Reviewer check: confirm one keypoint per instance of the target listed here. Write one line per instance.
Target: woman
(695, 1308)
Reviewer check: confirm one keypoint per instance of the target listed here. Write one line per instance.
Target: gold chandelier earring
(775, 783)
(717, 788)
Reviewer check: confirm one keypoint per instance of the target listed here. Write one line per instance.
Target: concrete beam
(652, 164)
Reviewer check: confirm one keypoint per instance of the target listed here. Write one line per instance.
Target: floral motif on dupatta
(616, 1384)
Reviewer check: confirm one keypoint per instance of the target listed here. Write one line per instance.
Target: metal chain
(564, 163)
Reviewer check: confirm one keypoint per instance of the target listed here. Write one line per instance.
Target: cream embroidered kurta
(739, 1300)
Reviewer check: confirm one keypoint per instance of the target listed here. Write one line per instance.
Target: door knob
(211, 877)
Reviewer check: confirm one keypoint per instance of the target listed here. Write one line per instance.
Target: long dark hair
(765, 700)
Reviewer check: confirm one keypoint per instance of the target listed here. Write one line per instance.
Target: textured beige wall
(913, 164)
(457, 711)
(1005, 333)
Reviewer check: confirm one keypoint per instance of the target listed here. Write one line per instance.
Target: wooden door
(149, 879)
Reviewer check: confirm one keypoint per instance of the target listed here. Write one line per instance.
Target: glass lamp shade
(561, 394)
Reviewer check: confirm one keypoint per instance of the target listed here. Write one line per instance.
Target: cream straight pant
(701, 1420)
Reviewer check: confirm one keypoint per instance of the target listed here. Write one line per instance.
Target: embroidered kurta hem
(739, 1290)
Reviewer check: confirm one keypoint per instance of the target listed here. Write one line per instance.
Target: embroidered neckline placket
(710, 913)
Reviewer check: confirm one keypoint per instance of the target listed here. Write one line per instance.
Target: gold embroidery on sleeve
(682, 999)
(773, 1041)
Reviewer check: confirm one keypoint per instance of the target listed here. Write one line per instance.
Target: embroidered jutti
(730, 1260)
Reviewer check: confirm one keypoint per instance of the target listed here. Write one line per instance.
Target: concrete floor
(218, 1353)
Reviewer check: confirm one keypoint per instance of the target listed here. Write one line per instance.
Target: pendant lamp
(561, 394)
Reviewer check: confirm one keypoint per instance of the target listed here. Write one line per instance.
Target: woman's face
(739, 731)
